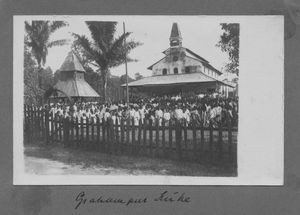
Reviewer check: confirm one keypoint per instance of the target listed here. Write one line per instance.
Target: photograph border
(263, 170)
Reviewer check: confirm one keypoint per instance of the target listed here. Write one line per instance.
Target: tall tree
(229, 43)
(38, 39)
(32, 92)
(138, 76)
(105, 50)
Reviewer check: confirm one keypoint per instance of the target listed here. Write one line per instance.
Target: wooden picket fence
(172, 140)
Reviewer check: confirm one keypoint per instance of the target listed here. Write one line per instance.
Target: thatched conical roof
(72, 63)
(72, 81)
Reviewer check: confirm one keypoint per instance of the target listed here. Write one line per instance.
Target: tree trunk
(104, 79)
(39, 75)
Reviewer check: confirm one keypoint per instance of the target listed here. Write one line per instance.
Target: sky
(200, 34)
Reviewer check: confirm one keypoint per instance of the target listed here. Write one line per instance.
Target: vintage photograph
(131, 98)
(148, 100)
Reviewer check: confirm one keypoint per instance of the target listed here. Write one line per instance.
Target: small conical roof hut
(71, 79)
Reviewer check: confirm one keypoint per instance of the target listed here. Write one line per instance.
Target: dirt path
(44, 160)
(44, 166)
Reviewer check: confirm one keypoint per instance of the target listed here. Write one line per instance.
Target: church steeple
(175, 37)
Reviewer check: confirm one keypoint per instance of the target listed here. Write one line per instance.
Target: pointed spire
(175, 37)
(72, 63)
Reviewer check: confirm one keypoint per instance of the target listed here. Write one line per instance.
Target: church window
(187, 69)
(175, 58)
(164, 71)
(176, 70)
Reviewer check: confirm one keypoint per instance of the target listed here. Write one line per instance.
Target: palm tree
(105, 50)
(38, 39)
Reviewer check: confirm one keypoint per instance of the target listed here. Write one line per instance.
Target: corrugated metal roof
(75, 88)
(72, 63)
(173, 79)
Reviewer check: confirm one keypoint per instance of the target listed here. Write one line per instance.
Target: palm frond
(117, 46)
(102, 33)
(57, 25)
(28, 29)
(84, 42)
(58, 43)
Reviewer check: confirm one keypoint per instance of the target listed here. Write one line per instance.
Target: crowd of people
(204, 110)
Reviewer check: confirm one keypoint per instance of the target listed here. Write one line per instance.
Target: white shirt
(187, 115)
(178, 113)
(167, 116)
(136, 117)
(158, 114)
(106, 115)
(131, 113)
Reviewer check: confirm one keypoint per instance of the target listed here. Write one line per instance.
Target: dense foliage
(229, 43)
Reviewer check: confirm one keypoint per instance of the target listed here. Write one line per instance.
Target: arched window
(187, 69)
(164, 71)
(176, 70)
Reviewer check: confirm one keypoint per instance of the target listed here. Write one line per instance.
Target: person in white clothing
(166, 116)
(186, 115)
(136, 116)
(178, 113)
(142, 113)
(159, 115)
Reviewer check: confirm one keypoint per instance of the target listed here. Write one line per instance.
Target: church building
(181, 71)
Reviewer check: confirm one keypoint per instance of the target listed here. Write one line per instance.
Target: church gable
(181, 60)
(169, 66)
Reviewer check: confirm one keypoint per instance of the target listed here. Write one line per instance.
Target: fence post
(122, 135)
(65, 123)
(163, 136)
(103, 134)
(202, 138)
(54, 128)
(150, 135)
(145, 135)
(132, 136)
(157, 137)
(60, 126)
(185, 133)
(47, 125)
(112, 135)
(178, 135)
(108, 135)
(87, 122)
(32, 123)
(220, 146)
(26, 127)
(127, 133)
(93, 130)
(117, 143)
(171, 135)
(231, 157)
(38, 123)
(77, 130)
(81, 131)
(72, 139)
(211, 136)
(194, 138)
(139, 135)
(43, 123)
(98, 132)
(51, 127)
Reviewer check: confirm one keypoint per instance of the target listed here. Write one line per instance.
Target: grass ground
(81, 161)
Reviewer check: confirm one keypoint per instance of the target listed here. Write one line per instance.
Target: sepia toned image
(137, 97)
